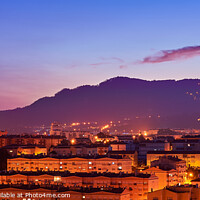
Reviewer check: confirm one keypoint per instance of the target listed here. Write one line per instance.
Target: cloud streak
(171, 55)
(108, 61)
(100, 63)
(114, 59)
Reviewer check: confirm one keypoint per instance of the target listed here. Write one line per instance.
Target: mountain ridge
(114, 99)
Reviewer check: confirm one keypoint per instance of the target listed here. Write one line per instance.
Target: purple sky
(49, 45)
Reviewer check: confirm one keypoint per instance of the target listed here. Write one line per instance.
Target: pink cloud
(117, 59)
(100, 63)
(122, 66)
(113, 58)
(171, 55)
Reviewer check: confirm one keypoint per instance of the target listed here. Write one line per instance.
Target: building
(17, 150)
(56, 129)
(102, 149)
(186, 145)
(3, 132)
(176, 193)
(165, 177)
(78, 134)
(118, 146)
(41, 140)
(196, 182)
(168, 163)
(169, 170)
(71, 164)
(133, 155)
(103, 137)
(59, 193)
(125, 138)
(80, 150)
(192, 158)
(138, 185)
(150, 145)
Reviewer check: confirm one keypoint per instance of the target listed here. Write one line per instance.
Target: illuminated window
(120, 168)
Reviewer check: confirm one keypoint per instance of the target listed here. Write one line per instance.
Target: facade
(186, 145)
(76, 164)
(81, 150)
(147, 146)
(165, 177)
(168, 163)
(192, 158)
(118, 146)
(133, 155)
(139, 185)
(56, 128)
(176, 193)
(102, 137)
(3, 132)
(15, 150)
(59, 193)
(78, 134)
(40, 140)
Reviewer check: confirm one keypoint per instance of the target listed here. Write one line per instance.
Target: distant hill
(166, 103)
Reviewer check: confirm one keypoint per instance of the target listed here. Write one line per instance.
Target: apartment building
(168, 163)
(176, 193)
(165, 177)
(17, 150)
(60, 193)
(139, 185)
(40, 140)
(186, 144)
(192, 158)
(93, 149)
(150, 145)
(72, 164)
(133, 155)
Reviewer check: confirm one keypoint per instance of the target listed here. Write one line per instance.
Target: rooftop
(173, 152)
(68, 157)
(78, 174)
(63, 189)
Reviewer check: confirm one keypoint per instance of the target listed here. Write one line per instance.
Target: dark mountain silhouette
(150, 104)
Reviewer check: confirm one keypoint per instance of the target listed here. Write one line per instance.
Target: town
(75, 164)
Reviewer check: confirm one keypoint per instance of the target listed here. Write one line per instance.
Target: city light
(73, 141)
(105, 127)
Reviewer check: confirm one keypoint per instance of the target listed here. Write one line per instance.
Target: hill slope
(176, 102)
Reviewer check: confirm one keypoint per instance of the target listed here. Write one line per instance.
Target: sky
(48, 45)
